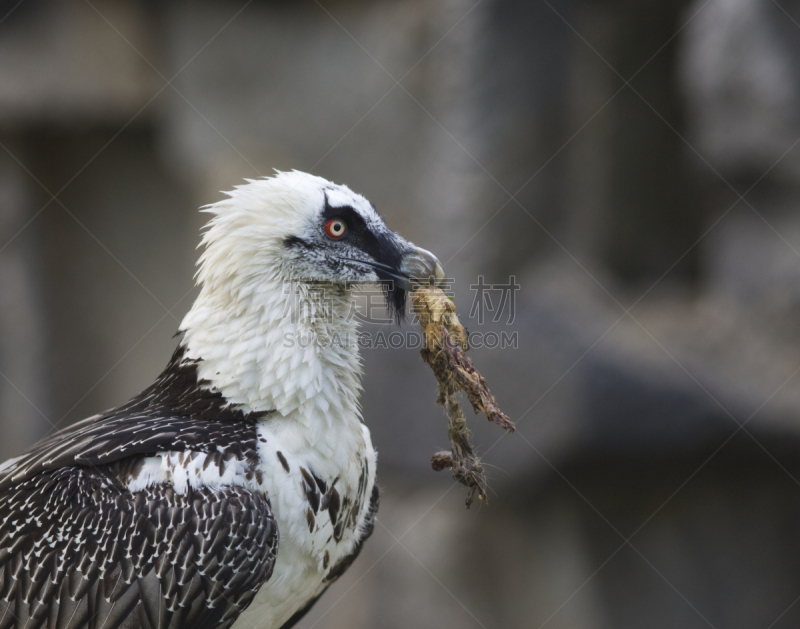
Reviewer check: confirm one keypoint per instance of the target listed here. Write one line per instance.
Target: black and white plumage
(244, 474)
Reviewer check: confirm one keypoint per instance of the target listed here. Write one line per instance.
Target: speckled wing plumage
(78, 549)
(174, 414)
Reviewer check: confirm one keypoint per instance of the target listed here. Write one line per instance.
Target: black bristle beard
(395, 300)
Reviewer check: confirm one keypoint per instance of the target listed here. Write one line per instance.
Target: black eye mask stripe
(296, 241)
(381, 246)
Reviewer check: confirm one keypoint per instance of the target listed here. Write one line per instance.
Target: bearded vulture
(244, 473)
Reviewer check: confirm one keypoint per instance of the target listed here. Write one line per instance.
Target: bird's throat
(282, 346)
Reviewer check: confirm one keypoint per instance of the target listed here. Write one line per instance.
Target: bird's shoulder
(177, 413)
(78, 540)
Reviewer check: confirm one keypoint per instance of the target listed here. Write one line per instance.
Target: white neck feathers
(286, 347)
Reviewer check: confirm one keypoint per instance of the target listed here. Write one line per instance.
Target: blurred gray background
(634, 165)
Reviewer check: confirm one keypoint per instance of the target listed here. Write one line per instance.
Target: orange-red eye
(335, 228)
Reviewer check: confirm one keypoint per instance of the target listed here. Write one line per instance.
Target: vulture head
(299, 227)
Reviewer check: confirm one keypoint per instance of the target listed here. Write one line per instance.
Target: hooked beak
(419, 267)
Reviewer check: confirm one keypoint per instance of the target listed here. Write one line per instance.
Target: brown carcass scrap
(444, 350)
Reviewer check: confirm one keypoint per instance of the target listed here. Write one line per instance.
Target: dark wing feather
(77, 550)
(176, 413)
(116, 438)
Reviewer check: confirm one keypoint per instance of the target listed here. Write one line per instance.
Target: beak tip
(438, 275)
(421, 267)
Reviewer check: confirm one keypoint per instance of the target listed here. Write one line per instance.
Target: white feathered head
(299, 227)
